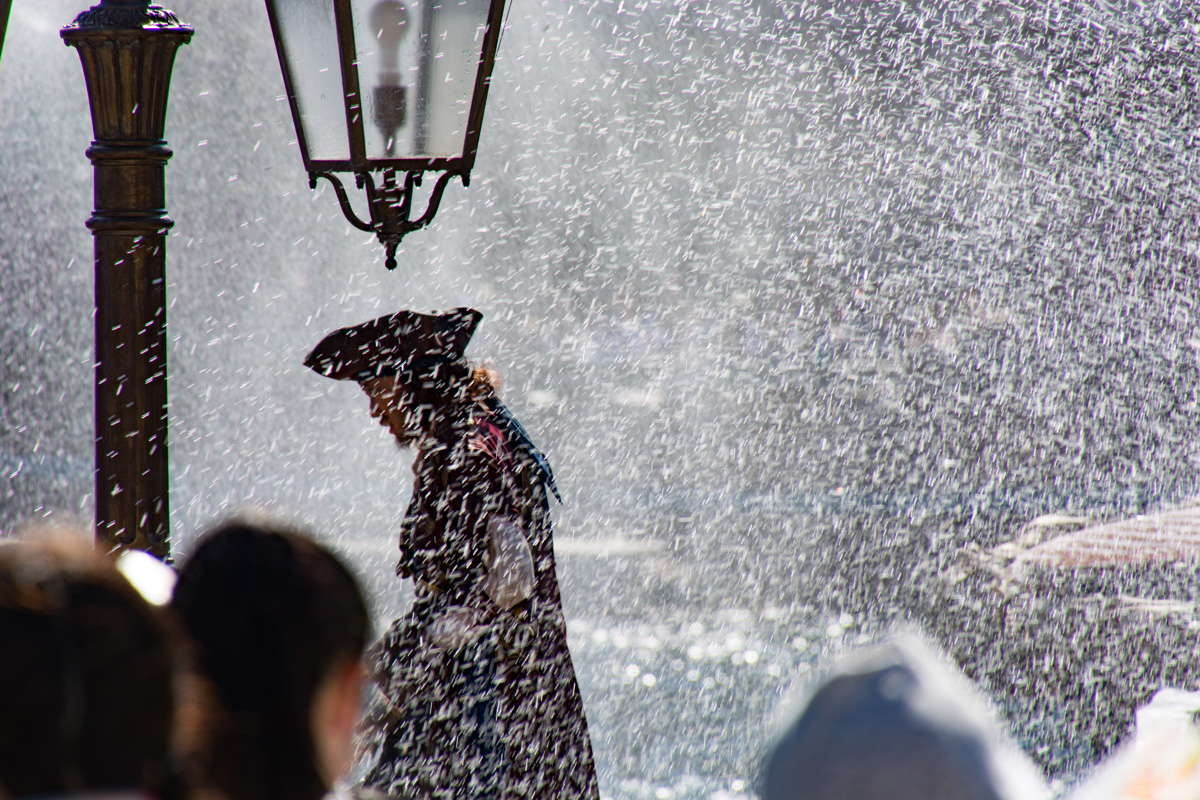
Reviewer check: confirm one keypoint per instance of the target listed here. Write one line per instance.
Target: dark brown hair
(272, 614)
(446, 387)
(86, 676)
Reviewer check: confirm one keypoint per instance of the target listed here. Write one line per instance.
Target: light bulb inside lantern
(389, 21)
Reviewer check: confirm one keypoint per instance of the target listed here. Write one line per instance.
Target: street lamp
(127, 48)
(426, 65)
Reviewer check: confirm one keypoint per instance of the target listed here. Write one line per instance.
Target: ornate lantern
(383, 87)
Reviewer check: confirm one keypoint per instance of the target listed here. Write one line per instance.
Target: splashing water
(808, 303)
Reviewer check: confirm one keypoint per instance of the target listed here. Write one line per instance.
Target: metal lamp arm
(343, 200)
(435, 198)
(391, 205)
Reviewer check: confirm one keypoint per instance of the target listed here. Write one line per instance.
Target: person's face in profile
(392, 405)
(335, 712)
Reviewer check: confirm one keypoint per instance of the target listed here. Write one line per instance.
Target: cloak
(502, 716)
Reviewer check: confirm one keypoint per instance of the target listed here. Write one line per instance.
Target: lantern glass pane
(309, 40)
(418, 61)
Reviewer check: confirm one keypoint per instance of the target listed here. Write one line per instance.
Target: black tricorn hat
(400, 342)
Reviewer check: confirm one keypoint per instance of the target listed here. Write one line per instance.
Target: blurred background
(810, 304)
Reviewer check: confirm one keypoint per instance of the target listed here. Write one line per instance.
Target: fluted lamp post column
(128, 49)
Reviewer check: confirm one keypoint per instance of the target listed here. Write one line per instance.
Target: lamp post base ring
(116, 152)
(136, 223)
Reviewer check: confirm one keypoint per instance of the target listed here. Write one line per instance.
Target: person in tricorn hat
(478, 697)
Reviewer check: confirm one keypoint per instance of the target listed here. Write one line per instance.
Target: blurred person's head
(895, 722)
(279, 626)
(87, 671)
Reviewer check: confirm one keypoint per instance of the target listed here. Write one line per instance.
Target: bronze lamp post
(418, 70)
(128, 49)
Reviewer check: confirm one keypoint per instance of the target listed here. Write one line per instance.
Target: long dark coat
(501, 717)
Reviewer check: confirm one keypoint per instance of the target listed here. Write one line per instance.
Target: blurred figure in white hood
(896, 722)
